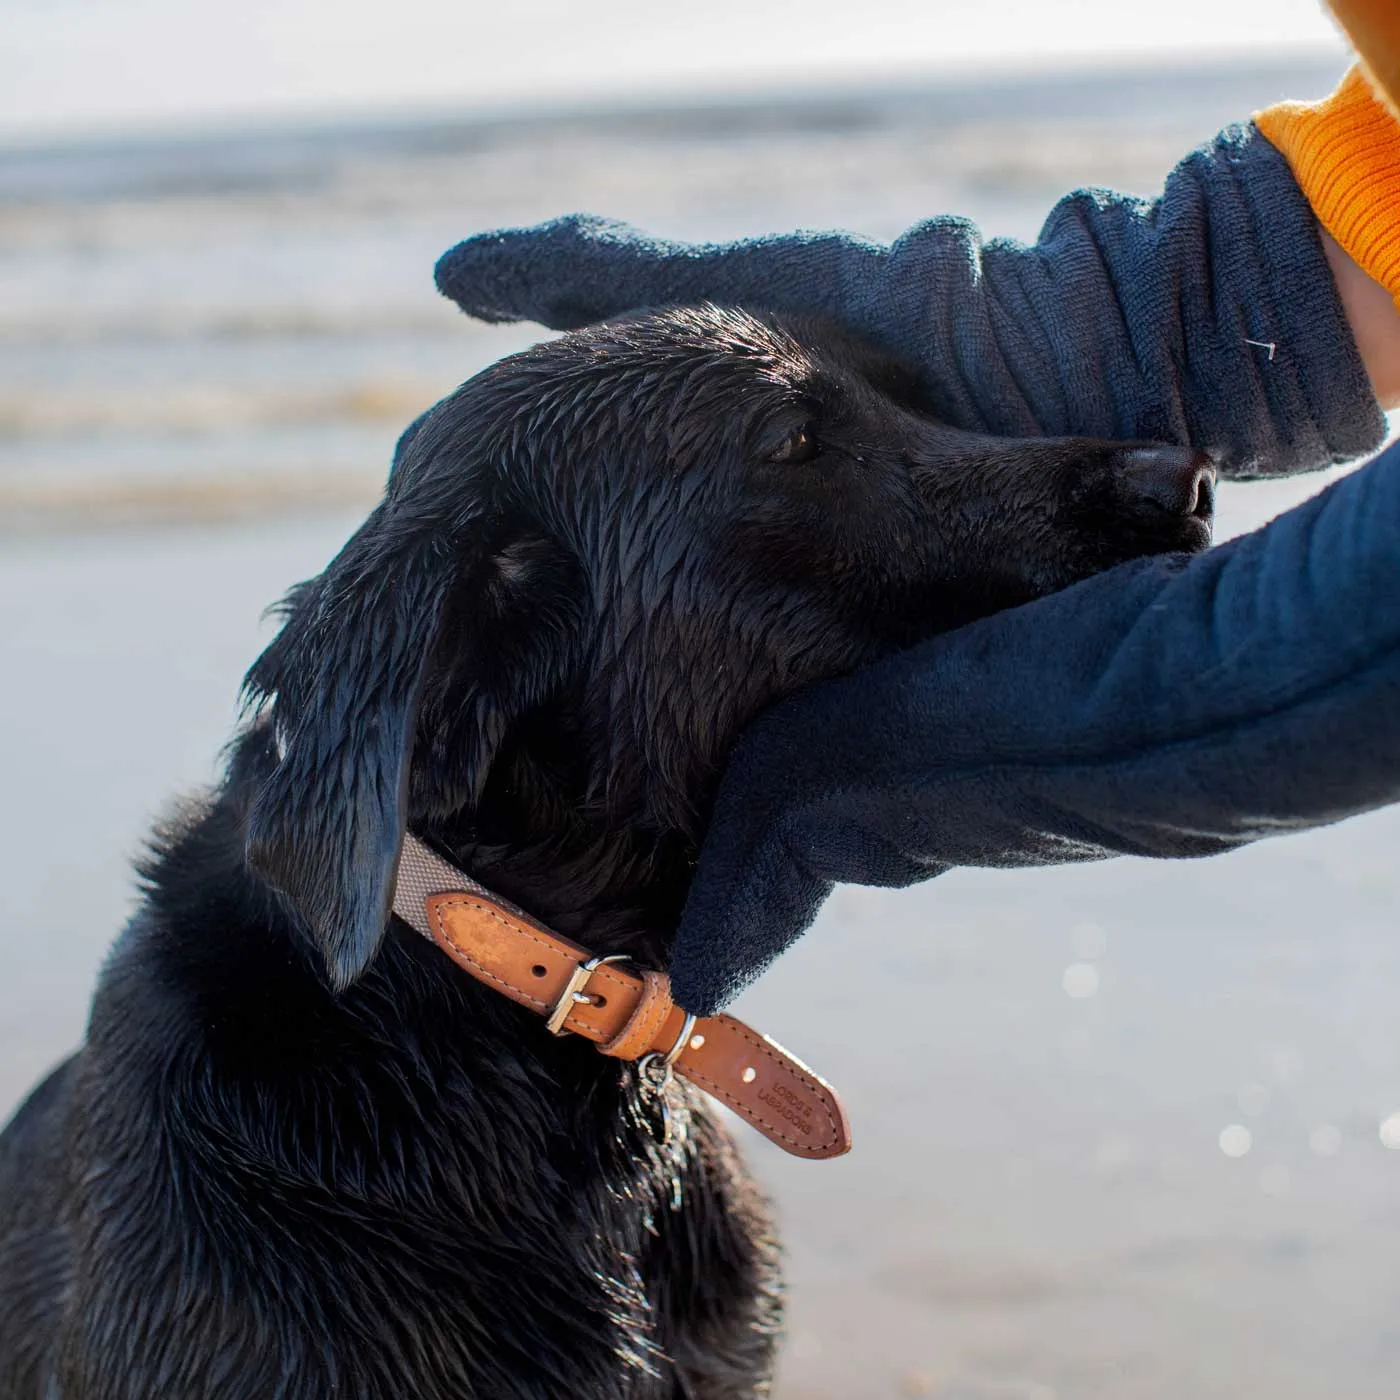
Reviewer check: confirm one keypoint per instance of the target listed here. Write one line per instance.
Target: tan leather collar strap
(626, 1012)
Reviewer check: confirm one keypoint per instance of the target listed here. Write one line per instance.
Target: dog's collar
(629, 1015)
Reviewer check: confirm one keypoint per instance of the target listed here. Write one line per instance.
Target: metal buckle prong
(573, 993)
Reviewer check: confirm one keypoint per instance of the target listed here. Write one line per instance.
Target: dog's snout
(1177, 480)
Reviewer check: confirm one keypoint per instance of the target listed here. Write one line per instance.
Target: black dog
(301, 1155)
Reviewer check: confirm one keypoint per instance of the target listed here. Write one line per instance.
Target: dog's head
(645, 532)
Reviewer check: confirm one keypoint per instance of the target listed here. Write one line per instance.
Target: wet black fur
(300, 1156)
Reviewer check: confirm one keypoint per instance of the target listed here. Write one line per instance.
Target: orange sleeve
(1345, 154)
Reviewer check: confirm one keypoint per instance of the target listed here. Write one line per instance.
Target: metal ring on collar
(674, 1053)
(655, 1068)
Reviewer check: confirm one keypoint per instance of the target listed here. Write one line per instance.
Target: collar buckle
(573, 992)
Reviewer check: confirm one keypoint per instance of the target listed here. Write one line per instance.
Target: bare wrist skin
(1375, 321)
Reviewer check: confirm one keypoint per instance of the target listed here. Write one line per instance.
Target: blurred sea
(1123, 1133)
(238, 324)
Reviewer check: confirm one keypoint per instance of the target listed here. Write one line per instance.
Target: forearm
(1167, 708)
(1208, 316)
(1344, 153)
(1374, 320)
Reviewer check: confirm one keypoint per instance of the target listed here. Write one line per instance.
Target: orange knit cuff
(1345, 154)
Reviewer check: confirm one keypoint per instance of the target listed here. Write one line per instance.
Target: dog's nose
(1178, 480)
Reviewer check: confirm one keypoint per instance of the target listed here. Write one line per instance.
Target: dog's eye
(800, 445)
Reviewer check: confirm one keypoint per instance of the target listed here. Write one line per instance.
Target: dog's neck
(613, 880)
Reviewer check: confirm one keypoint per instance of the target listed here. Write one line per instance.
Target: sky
(81, 66)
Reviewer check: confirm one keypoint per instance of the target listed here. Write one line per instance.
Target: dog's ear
(510, 641)
(340, 684)
(437, 622)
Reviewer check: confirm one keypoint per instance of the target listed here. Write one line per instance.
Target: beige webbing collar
(627, 1013)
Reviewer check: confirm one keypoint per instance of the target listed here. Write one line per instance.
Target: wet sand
(1038, 1206)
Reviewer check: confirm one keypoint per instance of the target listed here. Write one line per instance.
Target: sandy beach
(1121, 1131)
